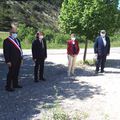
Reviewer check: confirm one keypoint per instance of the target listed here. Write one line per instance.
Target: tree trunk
(85, 51)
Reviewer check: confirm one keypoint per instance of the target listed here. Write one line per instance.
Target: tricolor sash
(15, 44)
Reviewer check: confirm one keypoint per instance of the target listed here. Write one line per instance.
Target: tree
(88, 17)
(5, 19)
(69, 16)
(36, 13)
(98, 15)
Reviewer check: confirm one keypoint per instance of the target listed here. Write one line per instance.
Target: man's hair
(102, 31)
(13, 26)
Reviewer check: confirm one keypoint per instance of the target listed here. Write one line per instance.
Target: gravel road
(96, 96)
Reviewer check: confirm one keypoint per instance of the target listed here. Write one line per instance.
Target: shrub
(59, 114)
(26, 34)
(115, 37)
(49, 34)
(61, 38)
(55, 37)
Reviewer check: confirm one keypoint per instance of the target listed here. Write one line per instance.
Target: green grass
(60, 46)
(115, 43)
(27, 45)
(3, 35)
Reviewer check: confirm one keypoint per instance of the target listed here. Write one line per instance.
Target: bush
(26, 34)
(61, 38)
(54, 39)
(49, 34)
(115, 37)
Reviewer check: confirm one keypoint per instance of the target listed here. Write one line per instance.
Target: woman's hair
(39, 33)
(72, 34)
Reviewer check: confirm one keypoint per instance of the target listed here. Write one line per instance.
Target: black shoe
(9, 89)
(18, 86)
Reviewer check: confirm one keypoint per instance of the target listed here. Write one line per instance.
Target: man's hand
(9, 64)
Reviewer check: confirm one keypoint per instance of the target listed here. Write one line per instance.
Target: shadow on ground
(112, 63)
(24, 103)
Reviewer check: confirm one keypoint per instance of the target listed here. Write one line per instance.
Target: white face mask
(73, 38)
(14, 35)
(41, 37)
(102, 34)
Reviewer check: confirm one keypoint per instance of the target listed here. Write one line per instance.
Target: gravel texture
(98, 96)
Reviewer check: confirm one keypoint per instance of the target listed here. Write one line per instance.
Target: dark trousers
(101, 59)
(12, 76)
(39, 69)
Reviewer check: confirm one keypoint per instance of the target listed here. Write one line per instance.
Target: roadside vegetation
(54, 40)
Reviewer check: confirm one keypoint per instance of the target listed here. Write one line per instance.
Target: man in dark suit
(39, 54)
(13, 56)
(101, 49)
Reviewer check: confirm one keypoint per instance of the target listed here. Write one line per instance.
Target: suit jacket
(11, 53)
(70, 50)
(99, 47)
(39, 49)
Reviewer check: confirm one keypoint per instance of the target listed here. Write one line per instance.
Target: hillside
(35, 13)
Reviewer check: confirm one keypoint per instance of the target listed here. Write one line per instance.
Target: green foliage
(88, 17)
(55, 37)
(52, 38)
(35, 13)
(26, 34)
(69, 16)
(1, 43)
(116, 36)
(4, 35)
(59, 114)
(57, 2)
(5, 19)
(61, 38)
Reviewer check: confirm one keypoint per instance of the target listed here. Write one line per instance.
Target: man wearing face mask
(13, 57)
(39, 54)
(72, 52)
(101, 49)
